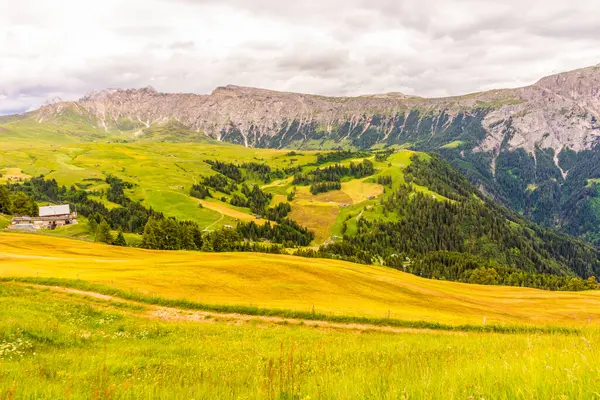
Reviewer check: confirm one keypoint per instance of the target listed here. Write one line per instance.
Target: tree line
(329, 178)
(340, 155)
(470, 268)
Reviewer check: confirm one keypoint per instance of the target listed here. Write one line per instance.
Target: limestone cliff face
(556, 112)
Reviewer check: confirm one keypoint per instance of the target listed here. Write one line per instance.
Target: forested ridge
(470, 227)
(532, 184)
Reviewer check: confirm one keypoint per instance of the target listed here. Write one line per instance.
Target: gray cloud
(330, 47)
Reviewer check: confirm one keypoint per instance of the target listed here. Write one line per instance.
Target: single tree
(120, 240)
(103, 234)
(6, 205)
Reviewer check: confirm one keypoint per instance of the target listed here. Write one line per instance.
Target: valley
(399, 208)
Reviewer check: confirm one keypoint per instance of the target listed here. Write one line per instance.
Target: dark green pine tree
(103, 234)
(150, 238)
(120, 240)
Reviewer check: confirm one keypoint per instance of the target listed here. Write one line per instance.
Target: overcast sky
(66, 48)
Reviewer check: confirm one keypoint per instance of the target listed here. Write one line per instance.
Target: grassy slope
(164, 173)
(288, 282)
(55, 345)
(159, 170)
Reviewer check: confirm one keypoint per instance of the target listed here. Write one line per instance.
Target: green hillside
(554, 190)
(387, 207)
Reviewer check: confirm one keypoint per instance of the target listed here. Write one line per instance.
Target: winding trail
(176, 314)
(216, 222)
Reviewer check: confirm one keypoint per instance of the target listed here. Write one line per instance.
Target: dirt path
(176, 314)
(207, 229)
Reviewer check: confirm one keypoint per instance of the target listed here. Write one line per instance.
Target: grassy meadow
(65, 345)
(174, 327)
(291, 283)
(191, 325)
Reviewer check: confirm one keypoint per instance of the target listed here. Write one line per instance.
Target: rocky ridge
(558, 111)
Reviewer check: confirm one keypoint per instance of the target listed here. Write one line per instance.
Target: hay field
(292, 283)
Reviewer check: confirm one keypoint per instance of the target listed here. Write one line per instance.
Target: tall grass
(80, 348)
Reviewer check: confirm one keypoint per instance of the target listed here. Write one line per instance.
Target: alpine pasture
(83, 320)
(291, 283)
(163, 174)
(57, 342)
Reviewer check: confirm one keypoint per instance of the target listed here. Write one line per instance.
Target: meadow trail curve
(176, 314)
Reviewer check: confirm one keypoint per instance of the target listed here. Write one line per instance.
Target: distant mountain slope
(558, 111)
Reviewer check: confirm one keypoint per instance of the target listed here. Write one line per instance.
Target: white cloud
(332, 47)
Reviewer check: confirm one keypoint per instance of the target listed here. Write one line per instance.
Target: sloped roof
(50, 211)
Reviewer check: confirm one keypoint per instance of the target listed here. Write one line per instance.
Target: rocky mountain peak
(108, 94)
(558, 111)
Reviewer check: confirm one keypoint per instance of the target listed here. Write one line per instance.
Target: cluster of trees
(475, 269)
(286, 232)
(262, 172)
(220, 183)
(231, 171)
(250, 171)
(385, 180)
(17, 203)
(337, 156)
(256, 199)
(171, 234)
(200, 191)
(278, 213)
(131, 217)
(322, 187)
(383, 155)
(115, 192)
(99, 228)
(335, 173)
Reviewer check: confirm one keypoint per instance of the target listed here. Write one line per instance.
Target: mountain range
(533, 149)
